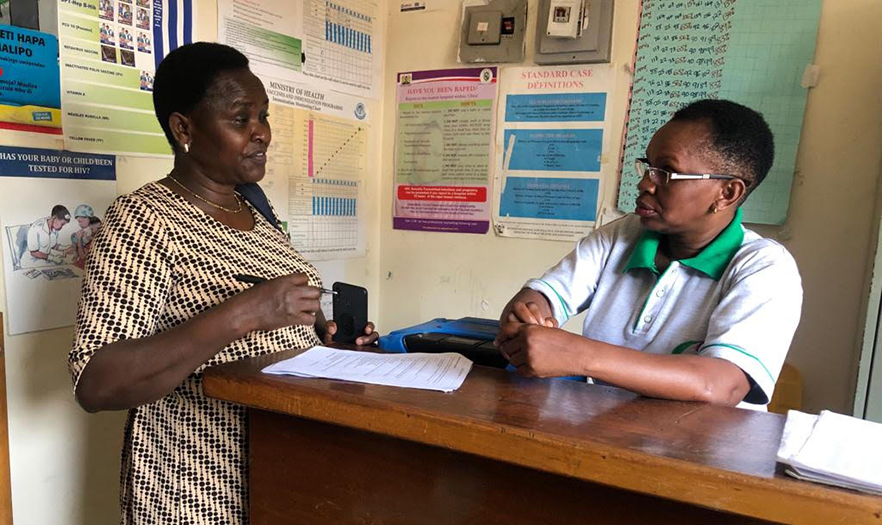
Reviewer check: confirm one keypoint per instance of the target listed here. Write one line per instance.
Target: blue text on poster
(556, 107)
(550, 198)
(553, 149)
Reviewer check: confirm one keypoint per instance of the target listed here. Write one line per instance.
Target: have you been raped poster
(109, 51)
(550, 150)
(443, 150)
(52, 204)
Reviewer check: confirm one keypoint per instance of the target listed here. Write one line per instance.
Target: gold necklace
(206, 201)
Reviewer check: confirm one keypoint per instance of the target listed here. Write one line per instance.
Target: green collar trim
(644, 252)
(712, 260)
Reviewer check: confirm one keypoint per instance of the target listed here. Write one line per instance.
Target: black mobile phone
(350, 312)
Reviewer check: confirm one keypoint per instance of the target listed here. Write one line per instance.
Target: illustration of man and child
(45, 248)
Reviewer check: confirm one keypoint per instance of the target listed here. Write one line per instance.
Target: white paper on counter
(443, 372)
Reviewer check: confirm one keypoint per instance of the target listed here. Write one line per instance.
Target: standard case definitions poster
(443, 150)
(550, 150)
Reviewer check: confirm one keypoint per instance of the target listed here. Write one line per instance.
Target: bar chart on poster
(332, 44)
(324, 185)
(340, 41)
(316, 165)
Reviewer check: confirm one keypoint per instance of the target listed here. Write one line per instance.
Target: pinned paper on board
(753, 52)
(52, 204)
(108, 54)
(443, 150)
(30, 90)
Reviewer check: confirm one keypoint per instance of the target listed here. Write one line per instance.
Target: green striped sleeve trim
(683, 346)
(737, 349)
(560, 300)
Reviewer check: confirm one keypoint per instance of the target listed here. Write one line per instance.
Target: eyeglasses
(662, 177)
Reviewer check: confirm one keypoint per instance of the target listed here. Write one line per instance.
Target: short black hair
(739, 134)
(185, 75)
(60, 212)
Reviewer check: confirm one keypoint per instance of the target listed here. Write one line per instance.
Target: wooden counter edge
(778, 500)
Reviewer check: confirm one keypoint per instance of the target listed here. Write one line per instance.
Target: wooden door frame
(5, 480)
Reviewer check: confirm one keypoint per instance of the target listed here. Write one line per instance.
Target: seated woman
(160, 303)
(682, 301)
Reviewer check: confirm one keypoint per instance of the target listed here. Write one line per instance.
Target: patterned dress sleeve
(129, 273)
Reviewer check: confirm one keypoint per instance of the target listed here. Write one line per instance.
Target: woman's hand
(277, 303)
(526, 307)
(370, 335)
(530, 313)
(543, 351)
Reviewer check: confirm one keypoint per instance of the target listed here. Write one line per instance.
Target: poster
(443, 149)
(30, 92)
(316, 168)
(109, 53)
(51, 206)
(750, 51)
(551, 150)
(328, 44)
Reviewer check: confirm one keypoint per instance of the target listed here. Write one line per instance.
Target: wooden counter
(508, 450)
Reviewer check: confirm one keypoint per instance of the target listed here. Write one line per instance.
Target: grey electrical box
(484, 27)
(592, 44)
(493, 31)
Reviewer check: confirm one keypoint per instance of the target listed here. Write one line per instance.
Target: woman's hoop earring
(714, 208)
(187, 147)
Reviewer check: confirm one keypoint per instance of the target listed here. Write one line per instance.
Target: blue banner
(29, 68)
(54, 164)
(550, 198)
(556, 107)
(553, 149)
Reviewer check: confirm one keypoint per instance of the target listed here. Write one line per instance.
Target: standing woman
(160, 303)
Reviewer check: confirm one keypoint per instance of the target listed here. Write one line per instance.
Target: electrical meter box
(574, 31)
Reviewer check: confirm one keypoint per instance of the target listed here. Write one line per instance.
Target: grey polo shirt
(738, 300)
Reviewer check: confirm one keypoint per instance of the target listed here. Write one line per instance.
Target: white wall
(64, 462)
(828, 230)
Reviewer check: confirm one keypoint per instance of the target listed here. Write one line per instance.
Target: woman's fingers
(330, 330)
(304, 318)
(534, 309)
(369, 337)
(524, 314)
(297, 279)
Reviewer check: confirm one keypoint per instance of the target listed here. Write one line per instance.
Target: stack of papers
(442, 372)
(833, 449)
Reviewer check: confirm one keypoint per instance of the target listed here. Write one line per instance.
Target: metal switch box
(484, 27)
